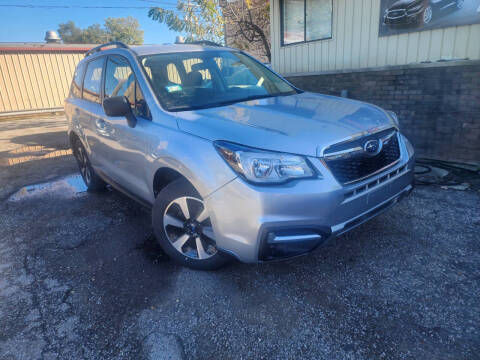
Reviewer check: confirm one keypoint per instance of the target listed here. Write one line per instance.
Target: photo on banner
(403, 16)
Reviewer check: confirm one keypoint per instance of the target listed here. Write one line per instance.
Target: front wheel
(182, 226)
(427, 15)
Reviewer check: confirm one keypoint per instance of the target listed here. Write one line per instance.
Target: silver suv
(232, 158)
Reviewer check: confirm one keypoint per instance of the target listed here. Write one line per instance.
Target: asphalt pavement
(81, 277)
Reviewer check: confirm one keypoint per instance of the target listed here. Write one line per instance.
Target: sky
(29, 24)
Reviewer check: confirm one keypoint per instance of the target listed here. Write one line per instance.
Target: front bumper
(259, 223)
(407, 18)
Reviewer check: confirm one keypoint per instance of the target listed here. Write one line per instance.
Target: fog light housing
(281, 244)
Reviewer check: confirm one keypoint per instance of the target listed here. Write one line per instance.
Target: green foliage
(198, 19)
(126, 30)
(70, 33)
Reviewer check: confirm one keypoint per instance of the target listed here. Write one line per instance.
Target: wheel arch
(164, 176)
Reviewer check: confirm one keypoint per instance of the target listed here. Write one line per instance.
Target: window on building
(120, 81)
(306, 20)
(92, 81)
(76, 88)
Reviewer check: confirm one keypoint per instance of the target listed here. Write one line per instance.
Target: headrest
(194, 78)
(199, 66)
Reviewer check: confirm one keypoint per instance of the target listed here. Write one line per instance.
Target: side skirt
(124, 191)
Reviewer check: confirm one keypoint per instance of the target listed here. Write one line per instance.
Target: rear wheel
(90, 177)
(182, 226)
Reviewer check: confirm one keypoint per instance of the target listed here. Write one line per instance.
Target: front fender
(193, 157)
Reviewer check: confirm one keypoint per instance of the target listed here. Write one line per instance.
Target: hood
(299, 124)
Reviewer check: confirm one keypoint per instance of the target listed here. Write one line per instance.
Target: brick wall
(438, 104)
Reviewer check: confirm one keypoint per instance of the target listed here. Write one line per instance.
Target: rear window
(76, 88)
(93, 80)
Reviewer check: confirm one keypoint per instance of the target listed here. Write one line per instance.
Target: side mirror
(119, 106)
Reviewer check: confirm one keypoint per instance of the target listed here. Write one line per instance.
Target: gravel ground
(81, 277)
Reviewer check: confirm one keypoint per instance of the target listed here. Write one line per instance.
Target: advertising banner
(401, 16)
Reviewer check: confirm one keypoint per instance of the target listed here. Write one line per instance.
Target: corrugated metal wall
(35, 80)
(355, 42)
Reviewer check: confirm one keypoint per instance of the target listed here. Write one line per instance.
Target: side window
(76, 87)
(92, 81)
(141, 107)
(120, 81)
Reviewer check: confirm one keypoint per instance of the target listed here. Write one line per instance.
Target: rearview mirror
(119, 106)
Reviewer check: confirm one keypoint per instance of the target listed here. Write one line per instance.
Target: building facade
(426, 68)
(36, 77)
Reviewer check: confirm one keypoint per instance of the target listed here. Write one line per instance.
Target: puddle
(67, 187)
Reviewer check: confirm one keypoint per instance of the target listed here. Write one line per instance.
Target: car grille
(396, 13)
(360, 166)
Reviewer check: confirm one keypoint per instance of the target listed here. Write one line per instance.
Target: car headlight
(394, 118)
(261, 166)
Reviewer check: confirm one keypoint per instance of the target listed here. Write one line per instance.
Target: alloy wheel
(188, 228)
(427, 14)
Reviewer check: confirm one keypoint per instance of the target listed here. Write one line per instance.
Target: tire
(427, 15)
(183, 229)
(93, 182)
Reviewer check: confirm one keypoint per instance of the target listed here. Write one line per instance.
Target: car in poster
(417, 12)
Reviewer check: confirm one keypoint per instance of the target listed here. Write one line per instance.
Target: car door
(90, 113)
(125, 145)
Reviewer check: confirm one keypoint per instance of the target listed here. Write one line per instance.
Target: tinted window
(120, 81)
(76, 88)
(92, 81)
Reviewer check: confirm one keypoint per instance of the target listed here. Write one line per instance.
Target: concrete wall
(355, 43)
(438, 104)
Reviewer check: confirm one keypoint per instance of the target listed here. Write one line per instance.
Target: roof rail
(118, 44)
(202, 42)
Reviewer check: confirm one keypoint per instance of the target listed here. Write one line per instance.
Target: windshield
(197, 80)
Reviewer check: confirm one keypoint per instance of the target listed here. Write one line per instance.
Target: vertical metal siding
(355, 42)
(35, 80)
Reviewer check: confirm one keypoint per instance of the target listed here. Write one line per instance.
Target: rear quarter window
(76, 87)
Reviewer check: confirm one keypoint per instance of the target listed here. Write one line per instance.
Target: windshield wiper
(229, 102)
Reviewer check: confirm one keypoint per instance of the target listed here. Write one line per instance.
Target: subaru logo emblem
(372, 147)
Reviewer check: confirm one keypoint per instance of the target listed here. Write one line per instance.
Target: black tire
(93, 182)
(188, 254)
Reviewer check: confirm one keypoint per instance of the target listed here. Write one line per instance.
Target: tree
(199, 19)
(94, 34)
(70, 33)
(248, 24)
(126, 30)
